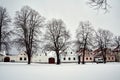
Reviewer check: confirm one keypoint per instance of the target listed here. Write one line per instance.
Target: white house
(44, 57)
(40, 57)
(21, 57)
(1, 57)
(2, 54)
(69, 56)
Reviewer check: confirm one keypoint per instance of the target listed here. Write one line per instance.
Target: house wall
(69, 59)
(43, 59)
(15, 58)
(110, 58)
(2, 54)
(22, 57)
(119, 56)
(1, 58)
(87, 59)
(116, 56)
(88, 56)
(69, 56)
(12, 58)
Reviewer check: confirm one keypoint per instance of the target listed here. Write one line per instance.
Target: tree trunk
(29, 58)
(83, 57)
(58, 58)
(78, 59)
(105, 57)
(103, 54)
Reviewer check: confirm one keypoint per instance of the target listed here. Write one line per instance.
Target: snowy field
(89, 71)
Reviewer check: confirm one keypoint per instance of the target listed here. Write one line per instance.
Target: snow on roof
(50, 53)
(2, 53)
(117, 49)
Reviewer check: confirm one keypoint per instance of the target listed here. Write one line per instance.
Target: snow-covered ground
(22, 71)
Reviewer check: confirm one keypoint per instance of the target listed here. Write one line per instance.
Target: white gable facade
(43, 57)
(21, 57)
(69, 56)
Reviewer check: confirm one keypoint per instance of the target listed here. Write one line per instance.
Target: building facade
(88, 56)
(110, 56)
(68, 56)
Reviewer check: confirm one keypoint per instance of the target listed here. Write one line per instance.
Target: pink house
(88, 55)
(91, 55)
(110, 56)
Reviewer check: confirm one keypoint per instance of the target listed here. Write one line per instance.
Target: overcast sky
(71, 12)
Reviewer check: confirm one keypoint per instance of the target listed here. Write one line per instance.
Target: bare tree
(27, 29)
(103, 39)
(84, 38)
(56, 37)
(99, 4)
(4, 29)
(117, 41)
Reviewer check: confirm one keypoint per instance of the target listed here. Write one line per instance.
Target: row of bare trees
(88, 38)
(28, 24)
(27, 29)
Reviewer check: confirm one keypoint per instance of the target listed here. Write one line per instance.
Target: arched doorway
(51, 60)
(6, 59)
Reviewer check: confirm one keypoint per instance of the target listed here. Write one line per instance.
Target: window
(112, 58)
(90, 58)
(108, 58)
(45, 54)
(69, 58)
(86, 58)
(65, 52)
(71, 52)
(24, 58)
(64, 59)
(74, 58)
(20, 58)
